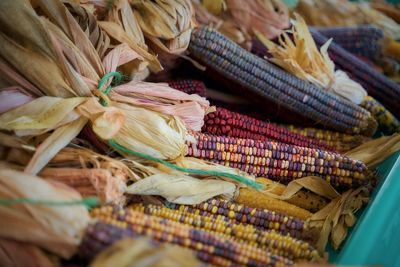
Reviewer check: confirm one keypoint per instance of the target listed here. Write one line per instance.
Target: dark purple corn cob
(258, 76)
(363, 40)
(378, 86)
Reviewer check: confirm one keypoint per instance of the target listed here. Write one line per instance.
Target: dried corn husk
(18, 254)
(12, 97)
(121, 24)
(182, 189)
(90, 182)
(164, 99)
(270, 17)
(345, 13)
(55, 229)
(144, 131)
(88, 23)
(302, 58)
(166, 24)
(23, 39)
(142, 252)
(376, 151)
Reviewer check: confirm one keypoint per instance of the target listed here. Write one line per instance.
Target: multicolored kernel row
(278, 244)
(279, 161)
(165, 230)
(229, 123)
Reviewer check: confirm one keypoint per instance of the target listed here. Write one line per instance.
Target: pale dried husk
(345, 13)
(55, 229)
(88, 23)
(166, 24)
(302, 58)
(270, 17)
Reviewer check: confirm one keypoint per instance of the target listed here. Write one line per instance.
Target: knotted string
(123, 149)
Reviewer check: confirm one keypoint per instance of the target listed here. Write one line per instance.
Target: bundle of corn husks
(239, 22)
(345, 13)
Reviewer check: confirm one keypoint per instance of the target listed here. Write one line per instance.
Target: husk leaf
(55, 229)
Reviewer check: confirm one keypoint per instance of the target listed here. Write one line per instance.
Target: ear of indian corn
(378, 86)
(256, 199)
(362, 40)
(281, 162)
(277, 86)
(260, 218)
(189, 86)
(303, 199)
(294, 249)
(229, 123)
(340, 141)
(165, 230)
(388, 124)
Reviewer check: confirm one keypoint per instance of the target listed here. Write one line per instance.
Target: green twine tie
(89, 202)
(128, 151)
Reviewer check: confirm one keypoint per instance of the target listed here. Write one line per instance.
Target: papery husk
(88, 23)
(121, 24)
(216, 7)
(149, 132)
(24, 40)
(270, 17)
(164, 99)
(40, 115)
(19, 254)
(85, 158)
(345, 13)
(13, 141)
(335, 218)
(301, 58)
(90, 182)
(58, 14)
(143, 252)
(167, 24)
(182, 189)
(13, 97)
(376, 151)
(55, 229)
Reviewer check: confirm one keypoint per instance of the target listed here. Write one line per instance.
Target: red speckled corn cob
(189, 87)
(229, 123)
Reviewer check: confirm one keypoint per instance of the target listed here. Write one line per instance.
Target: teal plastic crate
(375, 237)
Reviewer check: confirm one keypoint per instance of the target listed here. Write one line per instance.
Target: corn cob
(279, 161)
(270, 240)
(260, 218)
(256, 199)
(165, 230)
(303, 199)
(362, 40)
(189, 87)
(378, 86)
(339, 141)
(100, 236)
(388, 124)
(277, 86)
(229, 123)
